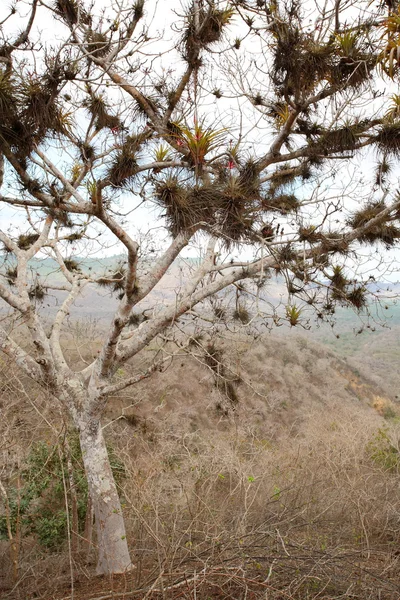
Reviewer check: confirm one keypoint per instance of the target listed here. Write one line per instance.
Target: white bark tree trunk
(111, 536)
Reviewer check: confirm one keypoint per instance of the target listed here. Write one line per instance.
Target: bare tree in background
(240, 128)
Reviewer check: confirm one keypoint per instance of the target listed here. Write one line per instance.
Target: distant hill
(374, 344)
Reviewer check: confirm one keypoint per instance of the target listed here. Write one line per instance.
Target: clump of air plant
(134, 319)
(384, 232)
(68, 10)
(257, 99)
(26, 240)
(394, 111)
(97, 106)
(388, 234)
(116, 280)
(308, 128)
(174, 198)
(242, 314)
(143, 103)
(97, 44)
(71, 264)
(286, 254)
(37, 101)
(87, 152)
(279, 112)
(69, 74)
(124, 165)
(249, 178)
(138, 10)
(283, 176)
(37, 292)
(95, 192)
(355, 63)
(225, 207)
(293, 314)
(73, 237)
(305, 171)
(338, 283)
(328, 309)
(298, 61)
(195, 340)
(213, 358)
(364, 216)
(267, 232)
(236, 215)
(382, 171)
(198, 141)
(237, 43)
(61, 217)
(219, 312)
(357, 297)
(28, 113)
(7, 103)
(334, 241)
(388, 138)
(187, 207)
(212, 21)
(337, 140)
(217, 93)
(309, 233)
(119, 279)
(76, 172)
(11, 274)
(41, 113)
(283, 203)
(162, 153)
(315, 157)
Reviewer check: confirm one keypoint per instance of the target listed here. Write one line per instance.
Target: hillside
(289, 465)
(266, 452)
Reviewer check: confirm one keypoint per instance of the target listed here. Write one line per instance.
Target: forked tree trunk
(111, 537)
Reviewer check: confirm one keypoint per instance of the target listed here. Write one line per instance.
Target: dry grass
(283, 497)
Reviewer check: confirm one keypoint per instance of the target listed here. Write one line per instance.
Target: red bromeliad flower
(231, 164)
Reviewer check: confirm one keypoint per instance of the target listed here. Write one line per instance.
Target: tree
(97, 124)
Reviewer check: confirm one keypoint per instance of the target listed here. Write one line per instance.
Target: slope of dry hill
(285, 468)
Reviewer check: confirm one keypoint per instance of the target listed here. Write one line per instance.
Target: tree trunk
(111, 537)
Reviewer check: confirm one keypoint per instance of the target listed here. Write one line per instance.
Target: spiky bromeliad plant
(199, 141)
(99, 134)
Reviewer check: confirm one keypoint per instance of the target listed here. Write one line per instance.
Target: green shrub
(382, 451)
(37, 502)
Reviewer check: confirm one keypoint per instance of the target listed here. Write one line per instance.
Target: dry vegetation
(291, 492)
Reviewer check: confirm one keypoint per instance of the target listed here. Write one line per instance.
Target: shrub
(383, 452)
(37, 500)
